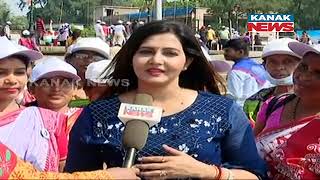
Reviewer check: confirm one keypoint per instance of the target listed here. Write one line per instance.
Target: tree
(306, 13)
(4, 12)
(60, 11)
(229, 9)
(19, 22)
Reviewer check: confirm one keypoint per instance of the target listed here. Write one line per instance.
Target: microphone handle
(129, 158)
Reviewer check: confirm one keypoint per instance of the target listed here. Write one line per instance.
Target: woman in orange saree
(11, 167)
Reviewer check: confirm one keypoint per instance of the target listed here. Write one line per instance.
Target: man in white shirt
(99, 30)
(119, 32)
(246, 77)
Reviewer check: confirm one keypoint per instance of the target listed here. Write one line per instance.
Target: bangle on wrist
(230, 174)
(218, 172)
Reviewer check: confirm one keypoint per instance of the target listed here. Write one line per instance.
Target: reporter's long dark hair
(200, 75)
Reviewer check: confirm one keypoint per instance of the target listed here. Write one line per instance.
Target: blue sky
(14, 7)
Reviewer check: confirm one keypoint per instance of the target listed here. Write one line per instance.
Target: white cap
(120, 21)
(96, 71)
(301, 48)
(103, 23)
(99, 21)
(279, 46)
(26, 32)
(52, 67)
(92, 44)
(8, 48)
(9, 22)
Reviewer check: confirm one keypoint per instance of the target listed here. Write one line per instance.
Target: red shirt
(106, 30)
(40, 25)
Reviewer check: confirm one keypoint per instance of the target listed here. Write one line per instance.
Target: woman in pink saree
(53, 83)
(36, 135)
(290, 141)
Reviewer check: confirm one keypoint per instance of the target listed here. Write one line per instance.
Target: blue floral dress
(214, 130)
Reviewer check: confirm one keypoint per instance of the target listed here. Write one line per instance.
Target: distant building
(112, 14)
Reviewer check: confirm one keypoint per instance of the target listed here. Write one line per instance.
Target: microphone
(137, 118)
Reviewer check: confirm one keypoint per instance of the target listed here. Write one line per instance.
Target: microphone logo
(142, 112)
(149, 114)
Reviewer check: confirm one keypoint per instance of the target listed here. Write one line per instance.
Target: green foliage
(88, 32)
(19, 22)
(70, 11)
(136, 3)
(307, 13)
(4, 12)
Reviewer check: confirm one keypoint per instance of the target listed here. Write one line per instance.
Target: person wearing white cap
(64, 33)
(157, 60)
(290, 141)
(119, 34)
(84, 52)
(27, 42)
(15, 55)
(211, 37)
(224, 36)
(99, 30)
(97, 86)
(37, 136)
(279, 62)
(53, 82)
(32, 133)
(7, 30)
(10, 50)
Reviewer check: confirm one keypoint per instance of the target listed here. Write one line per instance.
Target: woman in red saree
(290, 141)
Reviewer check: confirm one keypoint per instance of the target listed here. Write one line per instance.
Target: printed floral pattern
(195, 131)
(7, 162)
(13, 168)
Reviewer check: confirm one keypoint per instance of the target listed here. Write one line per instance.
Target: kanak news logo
(270, 23)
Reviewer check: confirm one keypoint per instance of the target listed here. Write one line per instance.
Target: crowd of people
(279, 97)
(59, 118)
